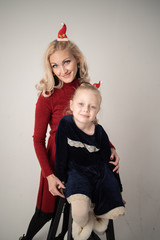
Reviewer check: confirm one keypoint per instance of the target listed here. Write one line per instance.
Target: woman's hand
(116, 158)
(55, 186)
(124, 202)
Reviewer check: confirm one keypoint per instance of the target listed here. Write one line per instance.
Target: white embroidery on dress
(78, 144)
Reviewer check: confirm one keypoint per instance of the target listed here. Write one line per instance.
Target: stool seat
(61, 204)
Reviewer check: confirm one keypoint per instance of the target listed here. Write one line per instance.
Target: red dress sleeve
(42, 119)
(112, 146)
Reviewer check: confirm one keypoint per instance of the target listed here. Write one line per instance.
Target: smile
(84, 115)
(66, 75)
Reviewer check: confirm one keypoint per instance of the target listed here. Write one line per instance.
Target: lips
(66, 75)
(84, 115)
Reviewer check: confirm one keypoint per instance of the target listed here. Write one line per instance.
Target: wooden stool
(110, 231)
(60, 207)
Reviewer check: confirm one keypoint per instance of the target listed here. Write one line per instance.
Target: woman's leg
(38, 220)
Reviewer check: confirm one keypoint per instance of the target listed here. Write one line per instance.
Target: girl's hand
(55, 186)
(116, 158)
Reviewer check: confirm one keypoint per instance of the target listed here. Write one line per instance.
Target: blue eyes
(66, 62)
(54, 66)
(92, 107)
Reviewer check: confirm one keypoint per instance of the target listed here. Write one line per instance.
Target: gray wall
(120, 40)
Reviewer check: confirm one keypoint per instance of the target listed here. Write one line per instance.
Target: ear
(71, 103)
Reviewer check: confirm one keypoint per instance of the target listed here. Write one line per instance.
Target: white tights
(83, 216)
(80, 205)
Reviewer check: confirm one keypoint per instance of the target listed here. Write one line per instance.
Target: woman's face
(64, 65)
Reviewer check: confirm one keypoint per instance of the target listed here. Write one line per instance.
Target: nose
(63, 69)
(86, 108)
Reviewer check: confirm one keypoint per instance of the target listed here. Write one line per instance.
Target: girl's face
(64, 65)
(85, 106)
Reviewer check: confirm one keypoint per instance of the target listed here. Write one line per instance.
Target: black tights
(39, 219)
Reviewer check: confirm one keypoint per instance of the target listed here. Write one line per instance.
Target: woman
(65, 68)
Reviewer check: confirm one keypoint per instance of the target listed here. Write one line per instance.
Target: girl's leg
(82, 216)
(100, 224)
(80, 205)
(111, 202)
(114, 213)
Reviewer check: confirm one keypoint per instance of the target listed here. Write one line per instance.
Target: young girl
(82, 164)
(65, 68)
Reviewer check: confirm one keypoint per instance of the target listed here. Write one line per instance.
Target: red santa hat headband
(97, 85)
(62, 37)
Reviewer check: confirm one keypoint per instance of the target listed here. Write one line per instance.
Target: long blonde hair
(49, 81)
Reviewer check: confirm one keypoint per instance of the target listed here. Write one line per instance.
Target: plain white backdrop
(120, 40)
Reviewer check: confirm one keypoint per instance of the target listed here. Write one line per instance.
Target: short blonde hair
(48, 83)
(87, 86)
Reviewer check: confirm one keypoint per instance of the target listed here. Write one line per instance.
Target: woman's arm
(55, 186)
(107, 153)
(42, 118)
(114, 156)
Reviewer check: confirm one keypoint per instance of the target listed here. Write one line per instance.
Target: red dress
(49, 111)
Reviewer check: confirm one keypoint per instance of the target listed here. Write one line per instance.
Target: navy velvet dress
(82, 162)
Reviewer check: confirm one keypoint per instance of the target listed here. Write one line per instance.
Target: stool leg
(66, 214)
(56, 219)
(69, 235)
(110, 231)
